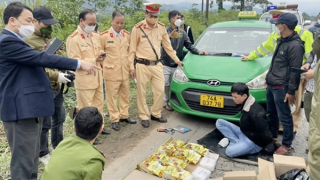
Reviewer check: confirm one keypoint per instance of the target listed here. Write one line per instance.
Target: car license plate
(212, 101)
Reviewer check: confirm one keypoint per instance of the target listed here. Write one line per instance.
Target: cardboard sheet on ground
(211, 141)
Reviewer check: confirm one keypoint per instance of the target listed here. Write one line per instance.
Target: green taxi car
(202, 87)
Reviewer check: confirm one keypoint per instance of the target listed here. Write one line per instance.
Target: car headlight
(258, 82)
(179, 75)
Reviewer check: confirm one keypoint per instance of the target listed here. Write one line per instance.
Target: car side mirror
(307, 22)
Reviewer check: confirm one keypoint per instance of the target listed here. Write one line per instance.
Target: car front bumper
(185, 98)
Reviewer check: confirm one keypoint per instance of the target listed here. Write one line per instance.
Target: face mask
(277, 30)
(47, 31)
(25, 31)
(182, 22)
(178, 23)
(88, 29)
(151, 20)
(319, 21)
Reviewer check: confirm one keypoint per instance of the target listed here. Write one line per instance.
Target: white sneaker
(224, 142)
(45, 159)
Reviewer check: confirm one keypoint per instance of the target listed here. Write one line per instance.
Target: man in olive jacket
(76, 157)
(314, 122)
(42, 23)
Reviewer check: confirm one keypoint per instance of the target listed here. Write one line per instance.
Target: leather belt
(147, 62)
(278, 87)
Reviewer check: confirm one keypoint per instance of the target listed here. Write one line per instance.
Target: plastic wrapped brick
(201, 174)
(208, 163)
(174, 173)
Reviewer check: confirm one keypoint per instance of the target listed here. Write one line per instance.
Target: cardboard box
(266, 170)
(136, 174)
(240, 175)
(308, 169)
(284, 164)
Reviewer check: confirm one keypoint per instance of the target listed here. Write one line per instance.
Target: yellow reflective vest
(271, 44)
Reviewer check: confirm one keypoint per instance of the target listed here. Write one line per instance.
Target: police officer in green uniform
(76, 157)
(43, 21)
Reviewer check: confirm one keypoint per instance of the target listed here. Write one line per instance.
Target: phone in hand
(53, 46)
(298, 70)
(104, 53)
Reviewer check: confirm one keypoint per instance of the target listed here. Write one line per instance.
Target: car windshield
(239, 40)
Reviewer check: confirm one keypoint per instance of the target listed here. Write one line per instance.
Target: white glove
(62, 78)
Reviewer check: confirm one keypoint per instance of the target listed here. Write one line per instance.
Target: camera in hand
(71, 76)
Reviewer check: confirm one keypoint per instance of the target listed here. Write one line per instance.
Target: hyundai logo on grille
(214, 83)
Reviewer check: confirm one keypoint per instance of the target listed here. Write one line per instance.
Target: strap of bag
(62, 88)
(149, 42)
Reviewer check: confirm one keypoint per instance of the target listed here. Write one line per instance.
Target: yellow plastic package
(179, 163)
(166, 148)
(161, 157)
(174, 173)
(189, 155)
(197, 148)
(177, 143)
(151, 167)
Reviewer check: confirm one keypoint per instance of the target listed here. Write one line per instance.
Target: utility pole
(242, 5)
(207, 11)
(202, 6)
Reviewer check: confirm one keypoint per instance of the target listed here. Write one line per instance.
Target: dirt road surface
(133, 143)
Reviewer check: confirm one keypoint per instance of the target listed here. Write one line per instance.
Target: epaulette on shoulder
(103, 32)
(125, 31)
(139, 24)
(73, 34)
(162, 24)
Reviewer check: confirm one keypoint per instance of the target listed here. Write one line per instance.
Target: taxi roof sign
(247, 15)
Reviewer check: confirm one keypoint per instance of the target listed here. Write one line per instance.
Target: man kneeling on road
(253, 135)
(76, 157)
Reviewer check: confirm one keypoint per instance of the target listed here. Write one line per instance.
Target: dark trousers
(280, 110)
(24, 141)
(55, 123)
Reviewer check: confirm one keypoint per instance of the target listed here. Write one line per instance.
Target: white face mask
(88, 29)
(319, 21)
(182, 22)
(178, 23)
(277, 30)
(25, 31)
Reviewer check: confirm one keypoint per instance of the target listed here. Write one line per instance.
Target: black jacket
(188, 30)
(177, 44)
(289, 53)
(253, 123)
